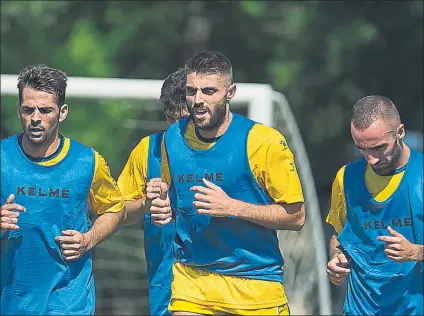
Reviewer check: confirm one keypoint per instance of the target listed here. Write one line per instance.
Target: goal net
(119, 262)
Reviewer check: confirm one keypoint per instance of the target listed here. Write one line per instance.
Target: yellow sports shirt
(133, 178)
(272, 164)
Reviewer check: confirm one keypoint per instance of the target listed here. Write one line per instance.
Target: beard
(216, 117)
(38, 135)
(388, 167)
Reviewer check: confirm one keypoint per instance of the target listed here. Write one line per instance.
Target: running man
(48, 183)
(142, 166)
(233, 184)
(377, 215)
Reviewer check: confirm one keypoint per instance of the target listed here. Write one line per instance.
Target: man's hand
(212, 200)
(73, 244)
(338, 269)
(398, 248)
(9, 216)
(153, 189)
(160, 206)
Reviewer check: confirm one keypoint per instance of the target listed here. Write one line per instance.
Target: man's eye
(190, 91)
(381, 147)
(209, 91)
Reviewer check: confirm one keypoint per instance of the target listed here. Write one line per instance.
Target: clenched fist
(73, 244)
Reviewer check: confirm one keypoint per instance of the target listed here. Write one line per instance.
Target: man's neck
(220, 130)
(404, 156)
(40, 150)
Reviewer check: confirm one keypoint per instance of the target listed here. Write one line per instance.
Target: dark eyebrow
(379, 146)
(39, 106)
(204, 88)
(27, 107)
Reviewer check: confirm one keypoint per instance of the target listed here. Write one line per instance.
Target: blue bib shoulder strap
(415, 188)
(154, 156)
(353, 180)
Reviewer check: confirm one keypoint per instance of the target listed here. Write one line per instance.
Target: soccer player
(48, 182)
(377, 214)
(143, 165)
(233, 184)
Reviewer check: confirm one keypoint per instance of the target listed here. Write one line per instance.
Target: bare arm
(104, 226)
(73, 244)
(275, 216)
(338, 266)
(335, 248)
(398, 248)
(138, 208)
(420, 253)
(135, 211)
(213, 201)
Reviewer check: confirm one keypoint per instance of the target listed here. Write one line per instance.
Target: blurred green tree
(323, 55)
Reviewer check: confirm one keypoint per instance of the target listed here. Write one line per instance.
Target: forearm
(135, 211)
(419, 253)
(103, 227)
(275, 216)
(335, 248)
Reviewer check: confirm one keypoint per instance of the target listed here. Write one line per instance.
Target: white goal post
(264, 105)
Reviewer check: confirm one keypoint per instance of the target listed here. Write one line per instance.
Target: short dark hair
(43, 78)
(374, 107)
(173, 93)
(210, 63)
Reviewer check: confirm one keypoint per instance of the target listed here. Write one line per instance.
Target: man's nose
(198, 99)
(35, 118)
(371, 159)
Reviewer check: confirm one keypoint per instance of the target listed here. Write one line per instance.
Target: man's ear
(63, 112)
(231, 92)
(400, 133)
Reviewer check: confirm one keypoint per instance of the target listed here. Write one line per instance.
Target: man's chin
(35, 140)
(203, 124)
(384, 171)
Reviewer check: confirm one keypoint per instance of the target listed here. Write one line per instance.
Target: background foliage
(323, 55)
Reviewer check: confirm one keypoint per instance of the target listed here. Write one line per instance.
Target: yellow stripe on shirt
(382, 187)
(59, 157)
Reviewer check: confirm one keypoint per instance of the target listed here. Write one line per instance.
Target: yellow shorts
(180, 305)
(202, 292)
